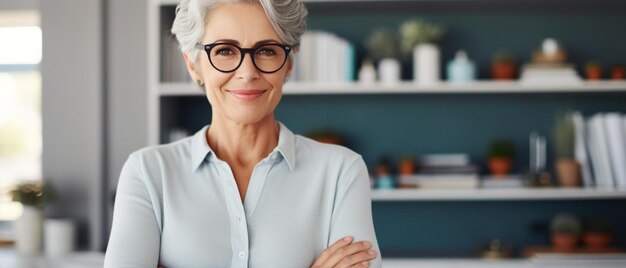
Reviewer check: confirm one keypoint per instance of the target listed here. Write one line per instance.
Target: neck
(242, 144)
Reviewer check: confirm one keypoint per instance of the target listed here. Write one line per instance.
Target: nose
(247, 70)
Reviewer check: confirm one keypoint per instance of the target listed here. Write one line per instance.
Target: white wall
(72, 107)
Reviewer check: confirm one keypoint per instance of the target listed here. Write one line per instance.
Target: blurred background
(493, 129)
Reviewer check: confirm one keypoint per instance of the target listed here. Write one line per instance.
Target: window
(20, 107)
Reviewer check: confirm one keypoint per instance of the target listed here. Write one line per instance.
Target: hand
(344, 254)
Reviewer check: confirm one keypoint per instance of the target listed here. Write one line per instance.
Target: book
(510, 181)
(444, 160)
(447, 181)
(617, 147)
(600, 148)
(561, 74)
(580, 148)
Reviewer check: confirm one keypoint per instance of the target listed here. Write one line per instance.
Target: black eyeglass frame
(208, 47)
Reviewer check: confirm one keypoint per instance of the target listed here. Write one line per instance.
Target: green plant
(565, 223)
(382, 43)
(414, 32)
(502, 148)
(503, 56)
(599, 225)
(564, 135)
(32, 193)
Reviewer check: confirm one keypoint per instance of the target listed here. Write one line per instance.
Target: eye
(224, 51)
(266, 51)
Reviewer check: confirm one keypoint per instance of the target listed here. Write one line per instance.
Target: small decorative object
(406, 165)
(550, 53)
(461, 69)
(565, 232)
(593, 70)
(497, 250)
(618, 72)
(419, 38)
(598, 233)
(538, 176)
(384, 180)
(59, 235)
(503, 66)
(567, 168)
(29, 226)
(367, 73)
(501, 154)
(382, 46)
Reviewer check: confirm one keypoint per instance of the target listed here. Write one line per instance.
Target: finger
(332, 249)
(358, 259)
(364, 264)
(337, 257)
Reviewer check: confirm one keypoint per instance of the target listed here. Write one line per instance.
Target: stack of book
(324, 57)
(601, 149)
(445, 171)
(173, 67)
(541, 74)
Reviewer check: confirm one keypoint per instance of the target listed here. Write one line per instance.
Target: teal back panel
(396, 124)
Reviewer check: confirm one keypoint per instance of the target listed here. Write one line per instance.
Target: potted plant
(29, 226)
(593, 70)
(419, 37)
(567, 168)
(501, 154)
(406, 165)
(565, 232)
(598, 233)
(618, 72)
(382, 47)
(326, 136)
(503, 66)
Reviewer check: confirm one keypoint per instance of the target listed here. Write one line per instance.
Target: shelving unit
(427, 115)
(409, 195)
(480, 87)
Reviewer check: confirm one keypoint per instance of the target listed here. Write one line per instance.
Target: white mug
(58, 237)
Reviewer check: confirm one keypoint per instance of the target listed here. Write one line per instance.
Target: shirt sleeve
(352, 213)
(135, 236)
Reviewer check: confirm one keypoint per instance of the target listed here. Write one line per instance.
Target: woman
(244, 191)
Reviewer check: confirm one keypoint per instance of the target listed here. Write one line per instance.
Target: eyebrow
(262, 42)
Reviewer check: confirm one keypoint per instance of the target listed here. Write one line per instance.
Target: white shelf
(495, 194)
(479, 87)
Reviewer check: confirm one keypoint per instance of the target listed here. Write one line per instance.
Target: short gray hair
(288, 17)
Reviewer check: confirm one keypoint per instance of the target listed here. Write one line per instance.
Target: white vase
(28, 231)
(59, 236)
(426, 64)
(389, 71)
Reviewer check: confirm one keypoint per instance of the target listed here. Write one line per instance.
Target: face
(246, 95)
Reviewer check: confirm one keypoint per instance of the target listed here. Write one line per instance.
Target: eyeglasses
(226, 57)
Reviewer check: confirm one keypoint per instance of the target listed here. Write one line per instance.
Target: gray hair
(288, 18)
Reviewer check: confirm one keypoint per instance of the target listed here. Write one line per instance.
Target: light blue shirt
(178, 204)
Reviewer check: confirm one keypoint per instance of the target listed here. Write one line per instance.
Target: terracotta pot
(330, 140)
(564, 242)
(593, 73)
(597, 240)
(568, 172)
(618, 73)
(499, 166)
(503, 71)
(406, 167)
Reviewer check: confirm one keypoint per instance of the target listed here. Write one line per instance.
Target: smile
(247, 94)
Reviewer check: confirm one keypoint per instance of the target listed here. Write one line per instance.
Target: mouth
(247, 94)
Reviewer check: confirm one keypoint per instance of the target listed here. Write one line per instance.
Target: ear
(191, 68)
(289, 67)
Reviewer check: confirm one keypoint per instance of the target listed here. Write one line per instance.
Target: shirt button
(242, 255)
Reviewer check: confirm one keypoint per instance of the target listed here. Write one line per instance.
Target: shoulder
(159, 154)
(324, 152)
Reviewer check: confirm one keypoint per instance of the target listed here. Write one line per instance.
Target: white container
(28, 231)
(367, 74)
(389, 71)
(426, 64)
(59, 237)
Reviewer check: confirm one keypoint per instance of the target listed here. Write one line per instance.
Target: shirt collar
(200, 148)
